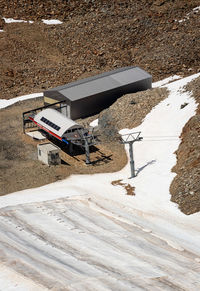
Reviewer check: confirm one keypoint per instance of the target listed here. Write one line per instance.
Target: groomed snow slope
(85, 234)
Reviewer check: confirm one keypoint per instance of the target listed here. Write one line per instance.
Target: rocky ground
(129, 110)
(161, 36)
(185, 188)
(95, 36)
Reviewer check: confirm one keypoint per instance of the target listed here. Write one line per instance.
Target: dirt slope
(95, 36)
(185, 188)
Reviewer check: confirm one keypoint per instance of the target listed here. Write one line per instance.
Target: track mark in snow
(90, 242)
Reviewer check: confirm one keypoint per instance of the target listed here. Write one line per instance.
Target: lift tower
(130, 138)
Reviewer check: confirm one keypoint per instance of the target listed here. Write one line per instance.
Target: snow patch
(45, 21)
(172, 244)
(165, 81)
(194, 11)
(52, 21)
(94, 123)
(11, 20)
(36, 135)
(197, 260)
(5, 103)
(13, 281)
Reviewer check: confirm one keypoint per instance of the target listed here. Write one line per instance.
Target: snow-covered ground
(84, 233)
(5, 103)
(94, 123)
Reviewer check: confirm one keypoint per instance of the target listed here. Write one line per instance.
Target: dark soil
(95, 36)
(129, 189)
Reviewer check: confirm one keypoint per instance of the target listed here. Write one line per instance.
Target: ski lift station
(64, 104)
(55, 124)
(89, 96)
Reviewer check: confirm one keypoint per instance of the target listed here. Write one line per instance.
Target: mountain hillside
(95, 36)
(90, 227)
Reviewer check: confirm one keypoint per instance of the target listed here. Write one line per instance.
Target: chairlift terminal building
(56, 124)
(91, 95)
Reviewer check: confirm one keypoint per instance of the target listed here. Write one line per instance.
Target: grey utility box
(48, 154)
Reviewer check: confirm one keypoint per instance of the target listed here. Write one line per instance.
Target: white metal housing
(55, 121)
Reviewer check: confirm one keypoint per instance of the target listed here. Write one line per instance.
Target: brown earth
(2, 23)
(95, 36)
(185, 188)
(129, 189)
(19, 167)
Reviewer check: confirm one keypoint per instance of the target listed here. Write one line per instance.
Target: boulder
(2, 22)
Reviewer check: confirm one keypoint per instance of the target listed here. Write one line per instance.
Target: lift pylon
(129, 139)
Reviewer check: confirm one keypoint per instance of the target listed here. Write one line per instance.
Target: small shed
(91, 95)
(48, 154)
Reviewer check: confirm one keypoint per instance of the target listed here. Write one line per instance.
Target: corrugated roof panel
(130, 76)
(89, 79)
(102, 83)
(90, 88)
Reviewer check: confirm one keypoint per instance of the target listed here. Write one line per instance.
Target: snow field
(93, 236)
(86, 248)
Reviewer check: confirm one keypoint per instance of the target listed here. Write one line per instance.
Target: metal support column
(132, 163)
(130, 139)
(70, 147)
(87, 151)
